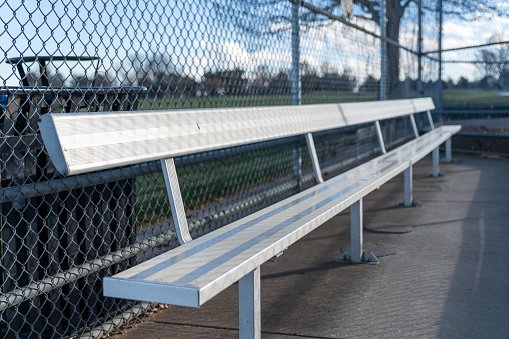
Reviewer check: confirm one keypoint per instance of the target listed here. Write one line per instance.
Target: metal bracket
(177, 206)
(366, 258)
(274, 258)
(432, 175)
(380, 137)
(414, 125)
(430, 118)
(413, 203)
(314, 157)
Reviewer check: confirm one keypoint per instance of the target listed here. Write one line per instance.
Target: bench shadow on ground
(478, 297)
(305, 293)
(330, 265)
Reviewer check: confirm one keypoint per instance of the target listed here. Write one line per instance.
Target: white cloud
(459, 29)
(275, 61)
(225, 55)
(459, 34)
(502, 4)
(219, 56)
(341, 48)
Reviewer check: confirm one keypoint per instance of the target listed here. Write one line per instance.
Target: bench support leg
(356, 255)
(448, 151)
(356, 224)
(249, 306)
(408, 200)
(436, 162)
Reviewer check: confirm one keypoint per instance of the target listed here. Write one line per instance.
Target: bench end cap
(49, 135)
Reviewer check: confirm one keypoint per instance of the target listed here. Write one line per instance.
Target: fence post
(296, 91)
(439, 82)
(296, 88)
(420, 93)
(383, 65)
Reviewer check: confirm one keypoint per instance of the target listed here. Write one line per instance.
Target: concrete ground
(446, 277)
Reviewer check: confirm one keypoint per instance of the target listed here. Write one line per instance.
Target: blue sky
(196, 40)
(112, 31)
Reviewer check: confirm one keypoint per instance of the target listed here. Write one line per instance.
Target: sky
(197, 40)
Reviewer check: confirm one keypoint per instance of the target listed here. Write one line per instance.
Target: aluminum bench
(199, 269)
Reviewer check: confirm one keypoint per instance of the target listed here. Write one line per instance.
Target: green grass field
(450, 96)
(201, 183)
(474, 96)
(252, 100)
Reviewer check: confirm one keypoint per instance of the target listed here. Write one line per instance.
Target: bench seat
(195, 272)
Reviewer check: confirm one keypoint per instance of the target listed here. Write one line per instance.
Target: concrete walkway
(447, 277)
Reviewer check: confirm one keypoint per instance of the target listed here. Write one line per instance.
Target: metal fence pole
(383, 64)
(296, 89)
(420, 93)
(439, 81)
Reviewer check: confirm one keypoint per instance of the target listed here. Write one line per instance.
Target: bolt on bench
(199, 269)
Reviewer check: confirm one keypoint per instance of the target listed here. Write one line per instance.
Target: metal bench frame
(84, 142)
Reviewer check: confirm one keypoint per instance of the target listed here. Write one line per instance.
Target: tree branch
(406, 3)
(369, 6)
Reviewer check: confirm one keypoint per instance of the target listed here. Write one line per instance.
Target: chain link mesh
(60, 236)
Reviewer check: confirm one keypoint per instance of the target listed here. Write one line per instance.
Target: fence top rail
(83, 142)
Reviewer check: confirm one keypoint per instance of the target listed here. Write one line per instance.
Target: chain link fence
(60, 236)
(476, 82)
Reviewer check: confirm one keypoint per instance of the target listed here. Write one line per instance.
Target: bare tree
(255, 17)
(224, 82)
(495, 59)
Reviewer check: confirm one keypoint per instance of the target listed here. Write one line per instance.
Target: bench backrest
(83, 142)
